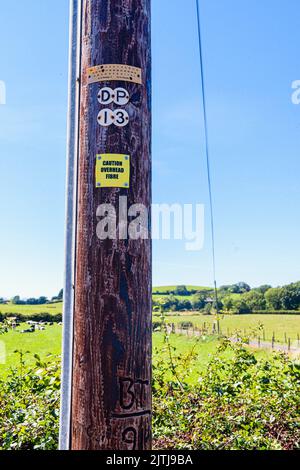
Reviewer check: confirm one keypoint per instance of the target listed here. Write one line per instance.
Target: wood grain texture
(111, 403)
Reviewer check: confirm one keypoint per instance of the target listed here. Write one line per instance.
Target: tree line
(236, 298)
(42, 300)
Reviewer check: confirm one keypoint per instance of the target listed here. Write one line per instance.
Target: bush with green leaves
(29, 405)
(239, 403)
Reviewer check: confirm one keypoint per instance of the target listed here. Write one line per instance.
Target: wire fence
(262, 340)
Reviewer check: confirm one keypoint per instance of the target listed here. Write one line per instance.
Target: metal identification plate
(112, 170)
(117, 72)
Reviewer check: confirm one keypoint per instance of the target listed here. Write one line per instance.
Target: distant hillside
(169, 289)
(52, 308)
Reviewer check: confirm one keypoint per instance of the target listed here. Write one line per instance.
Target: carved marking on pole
(133, 395)
(137, 438)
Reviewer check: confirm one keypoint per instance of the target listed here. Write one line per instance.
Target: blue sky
(251, 57)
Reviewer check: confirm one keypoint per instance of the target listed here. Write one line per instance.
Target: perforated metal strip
(114, 72)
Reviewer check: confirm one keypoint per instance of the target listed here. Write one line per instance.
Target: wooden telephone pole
(111, 376)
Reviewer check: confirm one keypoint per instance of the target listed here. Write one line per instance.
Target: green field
(49, 342)
(31, 309)
(204, 348)
(161, 292)
(41, 342)
(279, 324)
(165, 289)
(282, 325)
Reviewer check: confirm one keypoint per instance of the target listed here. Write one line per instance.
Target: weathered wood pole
(111, 392)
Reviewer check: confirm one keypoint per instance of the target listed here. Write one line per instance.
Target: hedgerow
(239, 403)
(29, 405)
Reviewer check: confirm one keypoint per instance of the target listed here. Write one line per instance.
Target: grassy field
(204, 349)
(157, 297)
(31, 309)
(49, 342)
(159, 292)
(41, 342)
(279, 324)
(165, 289)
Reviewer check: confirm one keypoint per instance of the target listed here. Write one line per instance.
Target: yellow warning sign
(112, 170)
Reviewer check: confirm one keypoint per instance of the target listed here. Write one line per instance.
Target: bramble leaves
(239, 403)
